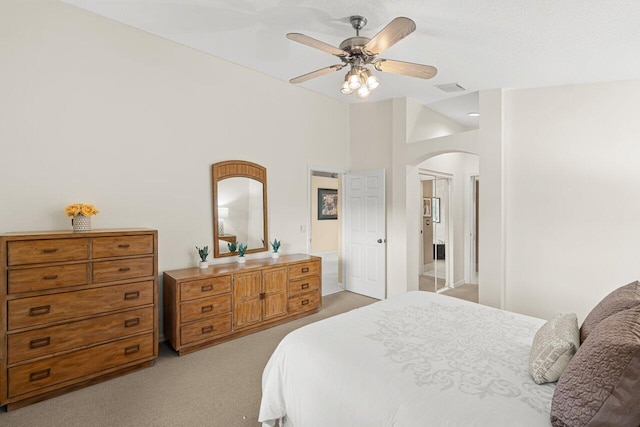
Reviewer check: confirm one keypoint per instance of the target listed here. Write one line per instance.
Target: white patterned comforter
(419, 359)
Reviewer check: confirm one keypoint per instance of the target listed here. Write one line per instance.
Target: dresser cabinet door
(247, 303)
(275, 293)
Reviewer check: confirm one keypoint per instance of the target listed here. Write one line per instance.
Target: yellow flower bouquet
(81, 214)
(81, 209)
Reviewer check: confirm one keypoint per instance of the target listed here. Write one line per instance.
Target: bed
(418, 359)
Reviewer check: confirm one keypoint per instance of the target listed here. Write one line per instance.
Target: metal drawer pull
(305, 270)
(305, 301)
(132, 295)
(206, 288)
(51, 277)
(37, 311)
(207, 330)
(132, 349)
(40, 375)
(304, 286)
(124, 246)
(40, 342)
(50, 251)
(132, 322)
(206, 308)
(123, 269)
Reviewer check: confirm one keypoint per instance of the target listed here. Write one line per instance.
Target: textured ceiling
(480, 44)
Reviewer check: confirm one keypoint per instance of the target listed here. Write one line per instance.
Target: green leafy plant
(232, 246)
(204, 253)
(275, 245)
(242, 248)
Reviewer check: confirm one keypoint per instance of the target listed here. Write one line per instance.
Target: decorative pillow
(619, 300)
(553, 347)
(600, 387)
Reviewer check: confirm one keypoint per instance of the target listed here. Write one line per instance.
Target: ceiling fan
(358, 52)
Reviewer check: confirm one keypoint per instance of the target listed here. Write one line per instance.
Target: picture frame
(327, 203)
(435, 208)
(426, 207)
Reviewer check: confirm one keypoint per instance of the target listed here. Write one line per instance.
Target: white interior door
(365, 233)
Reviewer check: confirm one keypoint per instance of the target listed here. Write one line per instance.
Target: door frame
(470, 191)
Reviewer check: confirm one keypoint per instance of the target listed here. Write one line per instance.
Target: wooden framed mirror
(239, 207)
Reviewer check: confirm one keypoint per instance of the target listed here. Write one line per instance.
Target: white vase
(241, 260)
(203, 264)
(275, 255)
(81, 223)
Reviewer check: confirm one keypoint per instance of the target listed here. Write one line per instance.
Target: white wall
(460, 166)
(425, 123)
(572, 195)
(96, 111)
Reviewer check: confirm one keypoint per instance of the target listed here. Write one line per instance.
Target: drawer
(205, 287)
(304, 269)
(54, 339)
(43, 373)
(203, 308)
(304, 302)
(303, 286)
(107, 247)
(205, 329)
(51, 250)
(34, 311)
(41, 278)
(122, 269)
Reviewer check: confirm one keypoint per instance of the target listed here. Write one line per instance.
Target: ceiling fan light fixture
(372, 82)
(363, 92)
(345, 89)
(355, 81)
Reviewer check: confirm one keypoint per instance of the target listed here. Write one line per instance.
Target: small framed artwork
(426, 207)
(435, 205)
(327, 203)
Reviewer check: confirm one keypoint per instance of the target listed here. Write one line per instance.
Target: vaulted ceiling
(479, 44)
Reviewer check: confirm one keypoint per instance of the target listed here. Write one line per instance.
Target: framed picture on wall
(327, 203)
(426, 207)
(435, 204)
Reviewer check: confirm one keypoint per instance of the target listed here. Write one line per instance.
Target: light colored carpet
(217, 386)
(467, 291)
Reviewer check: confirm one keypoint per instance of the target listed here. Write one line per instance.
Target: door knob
(379, 240)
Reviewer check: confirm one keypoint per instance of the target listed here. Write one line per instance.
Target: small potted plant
(232, 246)
(204, 253)
(275, 245)
(242, 248)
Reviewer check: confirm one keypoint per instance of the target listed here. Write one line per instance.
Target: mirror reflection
(240, 213)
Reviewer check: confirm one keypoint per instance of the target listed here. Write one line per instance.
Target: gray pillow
(553, 347)
(619, 300)
(600, 387)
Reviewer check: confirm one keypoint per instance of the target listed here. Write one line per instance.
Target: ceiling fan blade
(317, 73)
(395, 31)
(405, 68)
(310, 41)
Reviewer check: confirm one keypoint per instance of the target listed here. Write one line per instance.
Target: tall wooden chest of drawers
(77, 308)
(203, 307)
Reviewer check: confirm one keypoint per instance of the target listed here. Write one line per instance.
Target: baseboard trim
(458, 283)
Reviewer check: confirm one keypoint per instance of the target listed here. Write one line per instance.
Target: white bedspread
(419, 359)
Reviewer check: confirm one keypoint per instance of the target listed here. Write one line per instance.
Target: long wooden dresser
(77, 308)
(203, 307)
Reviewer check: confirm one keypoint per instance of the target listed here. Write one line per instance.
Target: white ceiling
(480, 44)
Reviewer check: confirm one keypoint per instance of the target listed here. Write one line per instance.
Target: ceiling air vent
(451, 87)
